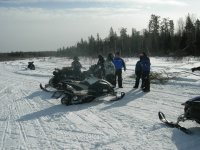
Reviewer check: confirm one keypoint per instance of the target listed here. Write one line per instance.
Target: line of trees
(158, 39)
(23, 55)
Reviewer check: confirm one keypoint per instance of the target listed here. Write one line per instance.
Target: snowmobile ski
(43, 88)
(172, 124)
(118, 97)
(56, 93)
(46, 90)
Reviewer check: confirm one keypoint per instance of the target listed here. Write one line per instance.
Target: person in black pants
(119, 64)
(138, 73)
(100, 65)
(145, 63)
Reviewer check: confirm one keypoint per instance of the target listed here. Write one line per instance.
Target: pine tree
(197, 37)
(190, 35)
(154, 26)
(112, 40)
(123, 37)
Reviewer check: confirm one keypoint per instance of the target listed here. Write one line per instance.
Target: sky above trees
(41, 25)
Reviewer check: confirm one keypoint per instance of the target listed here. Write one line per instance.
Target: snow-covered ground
(31, 119)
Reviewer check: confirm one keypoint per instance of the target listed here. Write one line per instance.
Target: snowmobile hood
(195, 99)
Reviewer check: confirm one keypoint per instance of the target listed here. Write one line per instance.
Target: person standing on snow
(119, 64)
(138, 73)
(110, 69)
(31, 66)
(100, 65)
(76, 66)
(145, 63)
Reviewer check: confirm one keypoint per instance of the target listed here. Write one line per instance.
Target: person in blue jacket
(138, 73)
(145, 64)
(119, 64)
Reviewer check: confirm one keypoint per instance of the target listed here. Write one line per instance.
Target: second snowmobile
(67, 73)
(77, 92)
(60, 75)
(191, 112)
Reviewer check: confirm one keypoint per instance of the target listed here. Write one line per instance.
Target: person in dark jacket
(110, 69)
(31, 66)
(145, 63)
(76, 66)
(138, 73)
(119, 64)
(100, 65)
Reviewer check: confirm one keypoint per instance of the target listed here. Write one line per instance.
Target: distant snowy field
(31, 119)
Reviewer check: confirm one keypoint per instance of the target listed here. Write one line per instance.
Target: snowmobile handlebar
(195, 69)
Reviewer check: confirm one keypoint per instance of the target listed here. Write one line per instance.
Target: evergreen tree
(197, 36)
(112, 40)
(154, 26)
(190, 36)
(135, 42)
(123, 37)
(159, 38)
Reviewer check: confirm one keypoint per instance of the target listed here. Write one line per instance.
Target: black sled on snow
(78, 92)
(191, 112)
(31, 66)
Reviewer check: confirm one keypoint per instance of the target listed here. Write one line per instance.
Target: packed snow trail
(31, 119)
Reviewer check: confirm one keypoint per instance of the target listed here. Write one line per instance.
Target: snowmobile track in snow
(31, 119)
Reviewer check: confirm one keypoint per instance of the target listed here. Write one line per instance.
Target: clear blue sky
(35, 25)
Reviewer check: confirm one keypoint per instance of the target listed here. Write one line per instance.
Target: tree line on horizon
(23, 55)
(159, 39)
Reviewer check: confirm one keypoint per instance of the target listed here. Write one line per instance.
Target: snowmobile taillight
(75, 98)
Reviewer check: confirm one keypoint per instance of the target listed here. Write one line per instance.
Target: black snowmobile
(60, 75)
(31, 66)
(67, 73)
(191, 112)
(77, 92)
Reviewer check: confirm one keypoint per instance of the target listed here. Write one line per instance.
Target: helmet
(76, 58)
(100, 56)
(110, 56)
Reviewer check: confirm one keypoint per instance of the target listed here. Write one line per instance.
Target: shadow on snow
(56, 110)
(130, 96)
(62, 109)
(184, 141)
